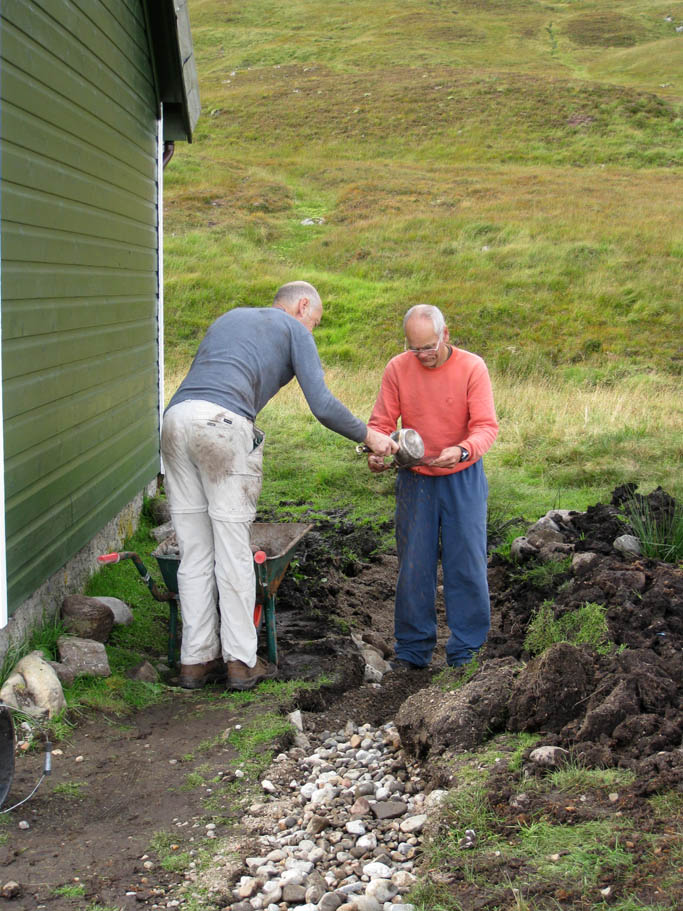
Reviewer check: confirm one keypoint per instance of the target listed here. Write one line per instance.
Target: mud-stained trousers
(450, 511)
(213, 471)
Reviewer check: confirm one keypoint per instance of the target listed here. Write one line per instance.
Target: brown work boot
(241, 677)
(194, 676)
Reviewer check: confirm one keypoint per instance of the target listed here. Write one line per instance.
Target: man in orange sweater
(445, 394)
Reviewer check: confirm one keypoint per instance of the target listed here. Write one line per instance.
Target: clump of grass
(252, 740)
(452, 678)
(71, 789)
(660, 530)
(69, 890)
(585, 626)
(544, 575)
(168, 851)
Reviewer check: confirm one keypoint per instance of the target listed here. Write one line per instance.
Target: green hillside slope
(517, 163)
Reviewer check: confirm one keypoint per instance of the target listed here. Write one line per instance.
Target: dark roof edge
(175, 72)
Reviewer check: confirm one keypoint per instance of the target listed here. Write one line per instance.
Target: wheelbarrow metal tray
(277, 539)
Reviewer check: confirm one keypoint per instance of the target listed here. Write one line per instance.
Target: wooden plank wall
(79, 275)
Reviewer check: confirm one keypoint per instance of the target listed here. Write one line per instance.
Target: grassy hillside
(517, 163)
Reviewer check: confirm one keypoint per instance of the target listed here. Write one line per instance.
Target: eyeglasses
(427, 350)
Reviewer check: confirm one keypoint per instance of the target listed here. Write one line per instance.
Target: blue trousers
(449, 510)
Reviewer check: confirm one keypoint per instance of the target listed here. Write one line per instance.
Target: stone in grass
(85, 656)
(144, 672)
(34, 688)
(627, 545)
(87, 618)
(123, 615)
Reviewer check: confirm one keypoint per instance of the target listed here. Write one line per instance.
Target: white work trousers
(213, 470)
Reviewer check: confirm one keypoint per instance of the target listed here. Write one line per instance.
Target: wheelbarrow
(273, 545)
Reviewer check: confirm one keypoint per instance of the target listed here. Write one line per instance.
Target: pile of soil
(119, 781)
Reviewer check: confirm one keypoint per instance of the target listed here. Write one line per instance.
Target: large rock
(545, 531)
(85, 656)
(66, 674)
(161, 532)
(34, 688)
(123, 615)
(433, 720)
(87, 618)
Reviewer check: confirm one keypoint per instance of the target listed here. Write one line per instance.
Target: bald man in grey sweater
(213, 468)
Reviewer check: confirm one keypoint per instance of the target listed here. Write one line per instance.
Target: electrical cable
(47, 768)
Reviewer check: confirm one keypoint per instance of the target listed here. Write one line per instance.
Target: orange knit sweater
(450, 405)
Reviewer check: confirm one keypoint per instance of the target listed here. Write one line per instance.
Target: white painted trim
(160, 259)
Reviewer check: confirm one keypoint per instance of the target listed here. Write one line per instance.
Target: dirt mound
(612, 701)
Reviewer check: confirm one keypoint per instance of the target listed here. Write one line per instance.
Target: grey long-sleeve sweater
(248, 354)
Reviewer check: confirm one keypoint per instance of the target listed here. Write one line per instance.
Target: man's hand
(377, 464)
(447, 458)
(380, 443)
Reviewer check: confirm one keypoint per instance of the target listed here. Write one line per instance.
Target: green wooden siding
(79, 275)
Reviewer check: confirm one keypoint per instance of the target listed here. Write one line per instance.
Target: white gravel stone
(435, 798)
(367, 842)
(383, 890)
(377, 868)
(403, 880)
(414, 824)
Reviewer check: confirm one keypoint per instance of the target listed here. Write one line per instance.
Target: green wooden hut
(93, 97)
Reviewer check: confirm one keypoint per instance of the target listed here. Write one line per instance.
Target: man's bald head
(426, 312)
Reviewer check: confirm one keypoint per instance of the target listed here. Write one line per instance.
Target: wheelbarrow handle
(260, 556)
(109, 558)
(158, 593)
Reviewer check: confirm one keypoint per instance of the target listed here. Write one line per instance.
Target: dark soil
(118, 781)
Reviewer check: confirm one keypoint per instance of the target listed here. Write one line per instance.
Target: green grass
(516, 164)
(586, 625)
(660, 535)
(69, 890)
(70, 789)
(42, 639)
(544, 575)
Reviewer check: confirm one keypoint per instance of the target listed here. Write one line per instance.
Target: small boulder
(382, 646)
(143, 671)
(11, 889)
(64, 672)
(123, 615)
(85, 656)
(627, 545)
(583, 562)
(87, 618)
(551, 757)
(161, 532)
(33, 687)
(545, 531)
(521, 549)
